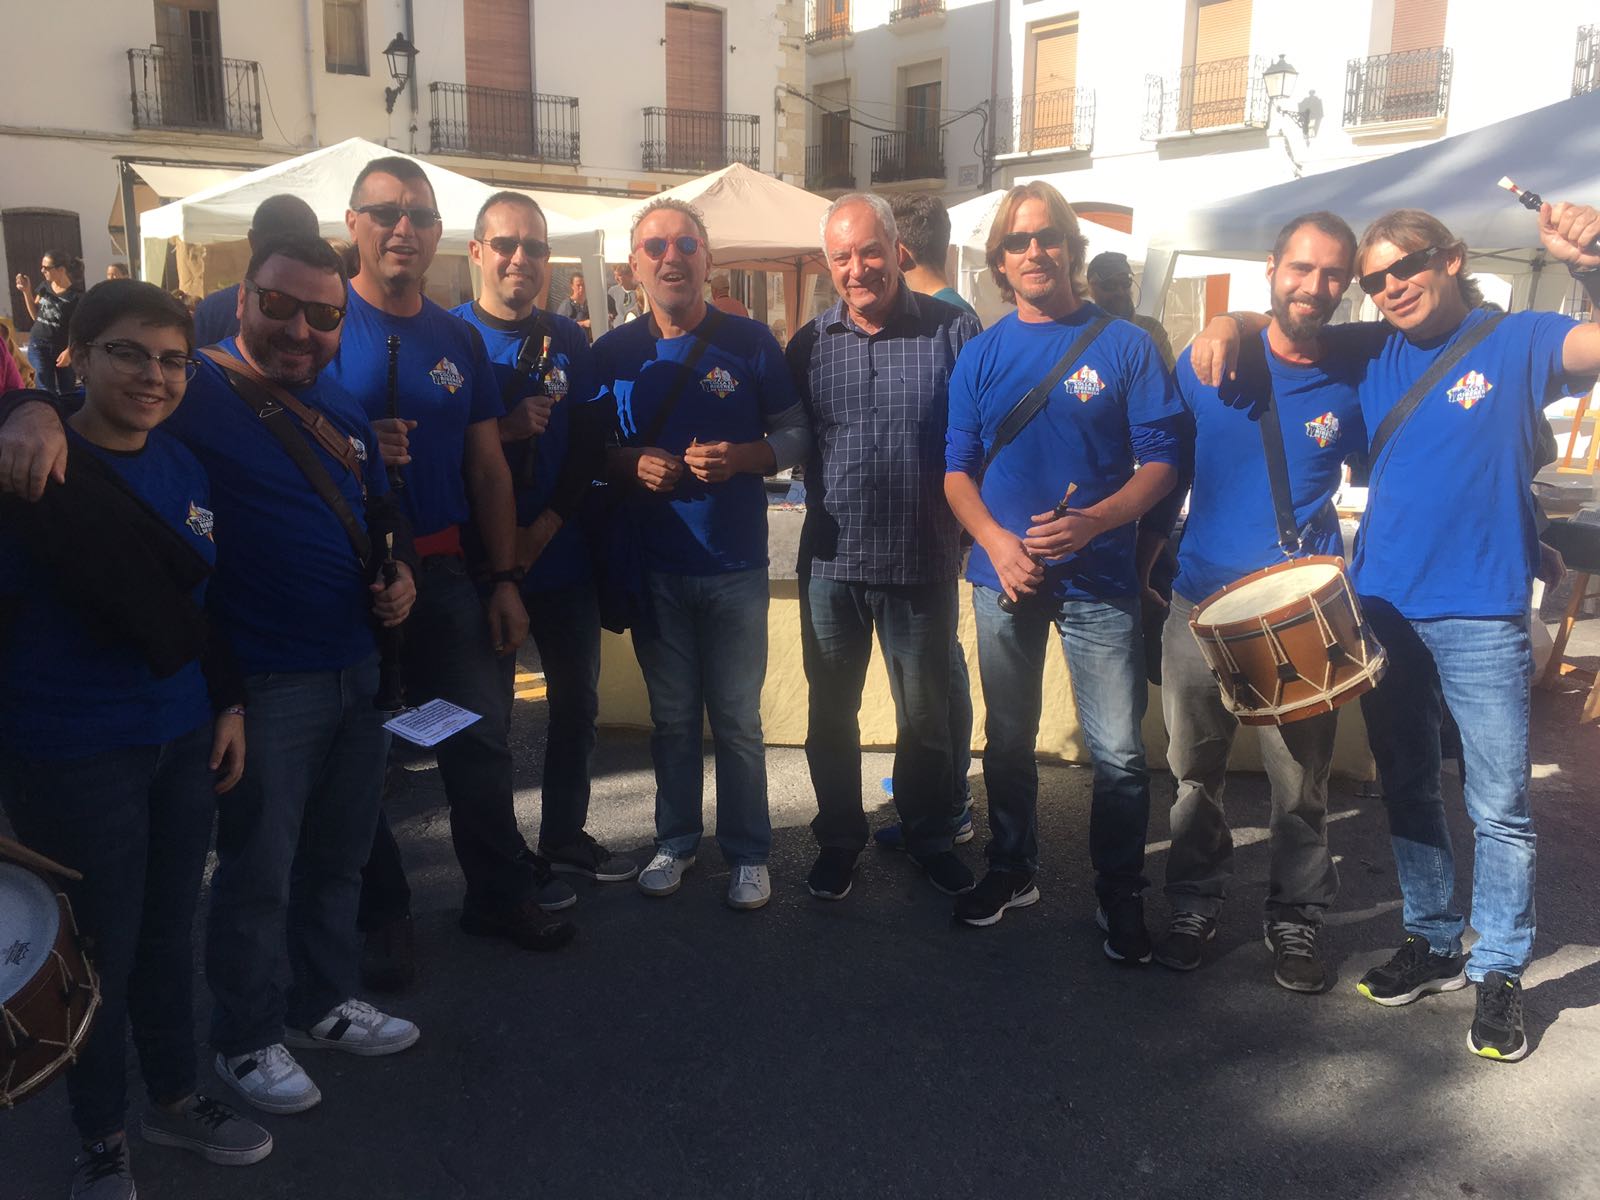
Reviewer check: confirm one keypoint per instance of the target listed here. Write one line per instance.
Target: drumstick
(30, 858)
(1006, 603)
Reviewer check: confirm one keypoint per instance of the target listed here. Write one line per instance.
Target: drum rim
(1233, 630)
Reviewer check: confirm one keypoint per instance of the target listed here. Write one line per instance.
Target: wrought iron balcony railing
(1413, 85)
(499, 123)
(686, 139)
(1225, 93)
(173, 90)
(1062, 119)
(909, 154)
(830, 165)
(904, 10)
(1586, 63)
(825, 20)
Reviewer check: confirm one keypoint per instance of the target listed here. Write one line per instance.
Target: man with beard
(509, 248)
(298, 610)
(459, 646)
(276, 217)
(1230, 533)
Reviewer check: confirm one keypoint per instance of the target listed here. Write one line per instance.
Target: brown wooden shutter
(694, 58)
(1215, 94)
(1055, 56)
(1418, 25)
(1221, 30)
(1048, 114)
(499, 49)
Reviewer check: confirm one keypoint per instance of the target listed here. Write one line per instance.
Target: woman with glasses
(120, 724)
(50, 308)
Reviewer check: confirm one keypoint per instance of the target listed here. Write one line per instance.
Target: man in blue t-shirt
(704, 407)
(1052, 516)
(441, 426)
(553, 461)
(1305, 372)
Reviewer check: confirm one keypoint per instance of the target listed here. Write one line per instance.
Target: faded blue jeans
(707, 660)
(1105, 658)
(1482, 668)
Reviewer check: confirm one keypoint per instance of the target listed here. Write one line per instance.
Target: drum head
(1267, 594)
(30, 919)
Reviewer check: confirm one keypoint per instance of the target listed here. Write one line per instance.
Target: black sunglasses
(506, 247)
(388, 215)
(656, 247)
(1017, 243)
(280, 306)
(1373, 282)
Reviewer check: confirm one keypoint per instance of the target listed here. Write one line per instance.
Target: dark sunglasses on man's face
(1017, 243)
(506, 247)
(1374, 282)
(280, 306)
(388, 215)
(656, 247)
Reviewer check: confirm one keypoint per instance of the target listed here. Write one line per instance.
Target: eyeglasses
(688, 245)
(1017, 243)
(506, 247)
(1374, 282)
(131, 359)
(280, 306)
(388, 215)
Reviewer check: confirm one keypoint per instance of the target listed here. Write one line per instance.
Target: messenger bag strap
(702, 339)
(1253, 358)
(1033, 403)
(272, 404)
(1401, 413)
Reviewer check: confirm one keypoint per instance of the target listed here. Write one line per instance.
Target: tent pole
(130, 218)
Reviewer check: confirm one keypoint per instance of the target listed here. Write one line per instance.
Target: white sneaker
(665, 873)
(356, 1028)
(750, 887)
(270, 1079)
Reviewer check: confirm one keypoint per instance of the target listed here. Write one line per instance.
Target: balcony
(497, 123)
(827, 21)
(908, 10)
(1586, 64)
(1061, 120)
(686, 139)
(1227, 94)
(173, 90)
(909, 154)
(1412, 87)
(830, 166)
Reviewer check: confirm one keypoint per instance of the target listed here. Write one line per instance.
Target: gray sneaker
(552, 894)
(664, 875)
(102, 1173)
(213, 1131)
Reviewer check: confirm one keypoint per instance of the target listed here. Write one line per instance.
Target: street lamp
(400, 53)
(1279, 80)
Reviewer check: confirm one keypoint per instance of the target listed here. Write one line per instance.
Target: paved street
(872, 1048)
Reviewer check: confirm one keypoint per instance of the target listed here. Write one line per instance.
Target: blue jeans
(565, 624)
(291, 839)
(1105, 658)
(708, 655)
(960, 709)
(46, 375)
(916, 626)
(136, 822)
(1482, 668)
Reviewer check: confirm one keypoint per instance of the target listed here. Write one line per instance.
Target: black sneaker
(587, 857)
(388, 957)
(1497, 1031)
(1412, 973)
(832, 874)
(526, 924)
(1297, 964)
(1127, 940)
(1000, 890)
(1185, 943)
(102, 1172)
(946, 872)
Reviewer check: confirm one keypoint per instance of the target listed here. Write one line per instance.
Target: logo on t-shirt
(1469, 389)
(1084, 383)
(200, 521)
(719, 383)
(1323, 429)
(447, 375)
(555, 383)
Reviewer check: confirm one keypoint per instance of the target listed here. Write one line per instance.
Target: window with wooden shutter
(500, 108)
(344, 36)
(190, 67)
(1409, 82)
(1218, 80)
(1048, 111)
(1418, 25)
(695, 51)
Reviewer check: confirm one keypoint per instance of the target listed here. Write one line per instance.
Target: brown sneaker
(388, 957)
(524, 924)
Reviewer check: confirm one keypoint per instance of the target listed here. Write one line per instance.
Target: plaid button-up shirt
(875, 506)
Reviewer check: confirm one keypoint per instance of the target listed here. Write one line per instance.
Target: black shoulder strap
(702, 339)
(276, 418)
(1401, 413)
(1253, 359)
(1033, 403)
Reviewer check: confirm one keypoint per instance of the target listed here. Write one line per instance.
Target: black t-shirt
(572, 310)
(55, 316)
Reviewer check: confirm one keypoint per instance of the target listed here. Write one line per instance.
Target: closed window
(344, 36)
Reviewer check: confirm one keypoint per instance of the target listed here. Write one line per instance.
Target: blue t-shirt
(1232, 530)
(289, 591)
(950, 296)
(445, 383)
(217, 316)
(63, 695)
(1114, 408)
(565, 561)
(1449, 529)
(739, 383)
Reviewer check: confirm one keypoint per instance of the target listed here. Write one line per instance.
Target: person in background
(575, 307)
(925, 240)
(117, 270)
(1111, 286)
(10, 373)
(722, 296)
(623, 295)
(50, 308)
(277, 217)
